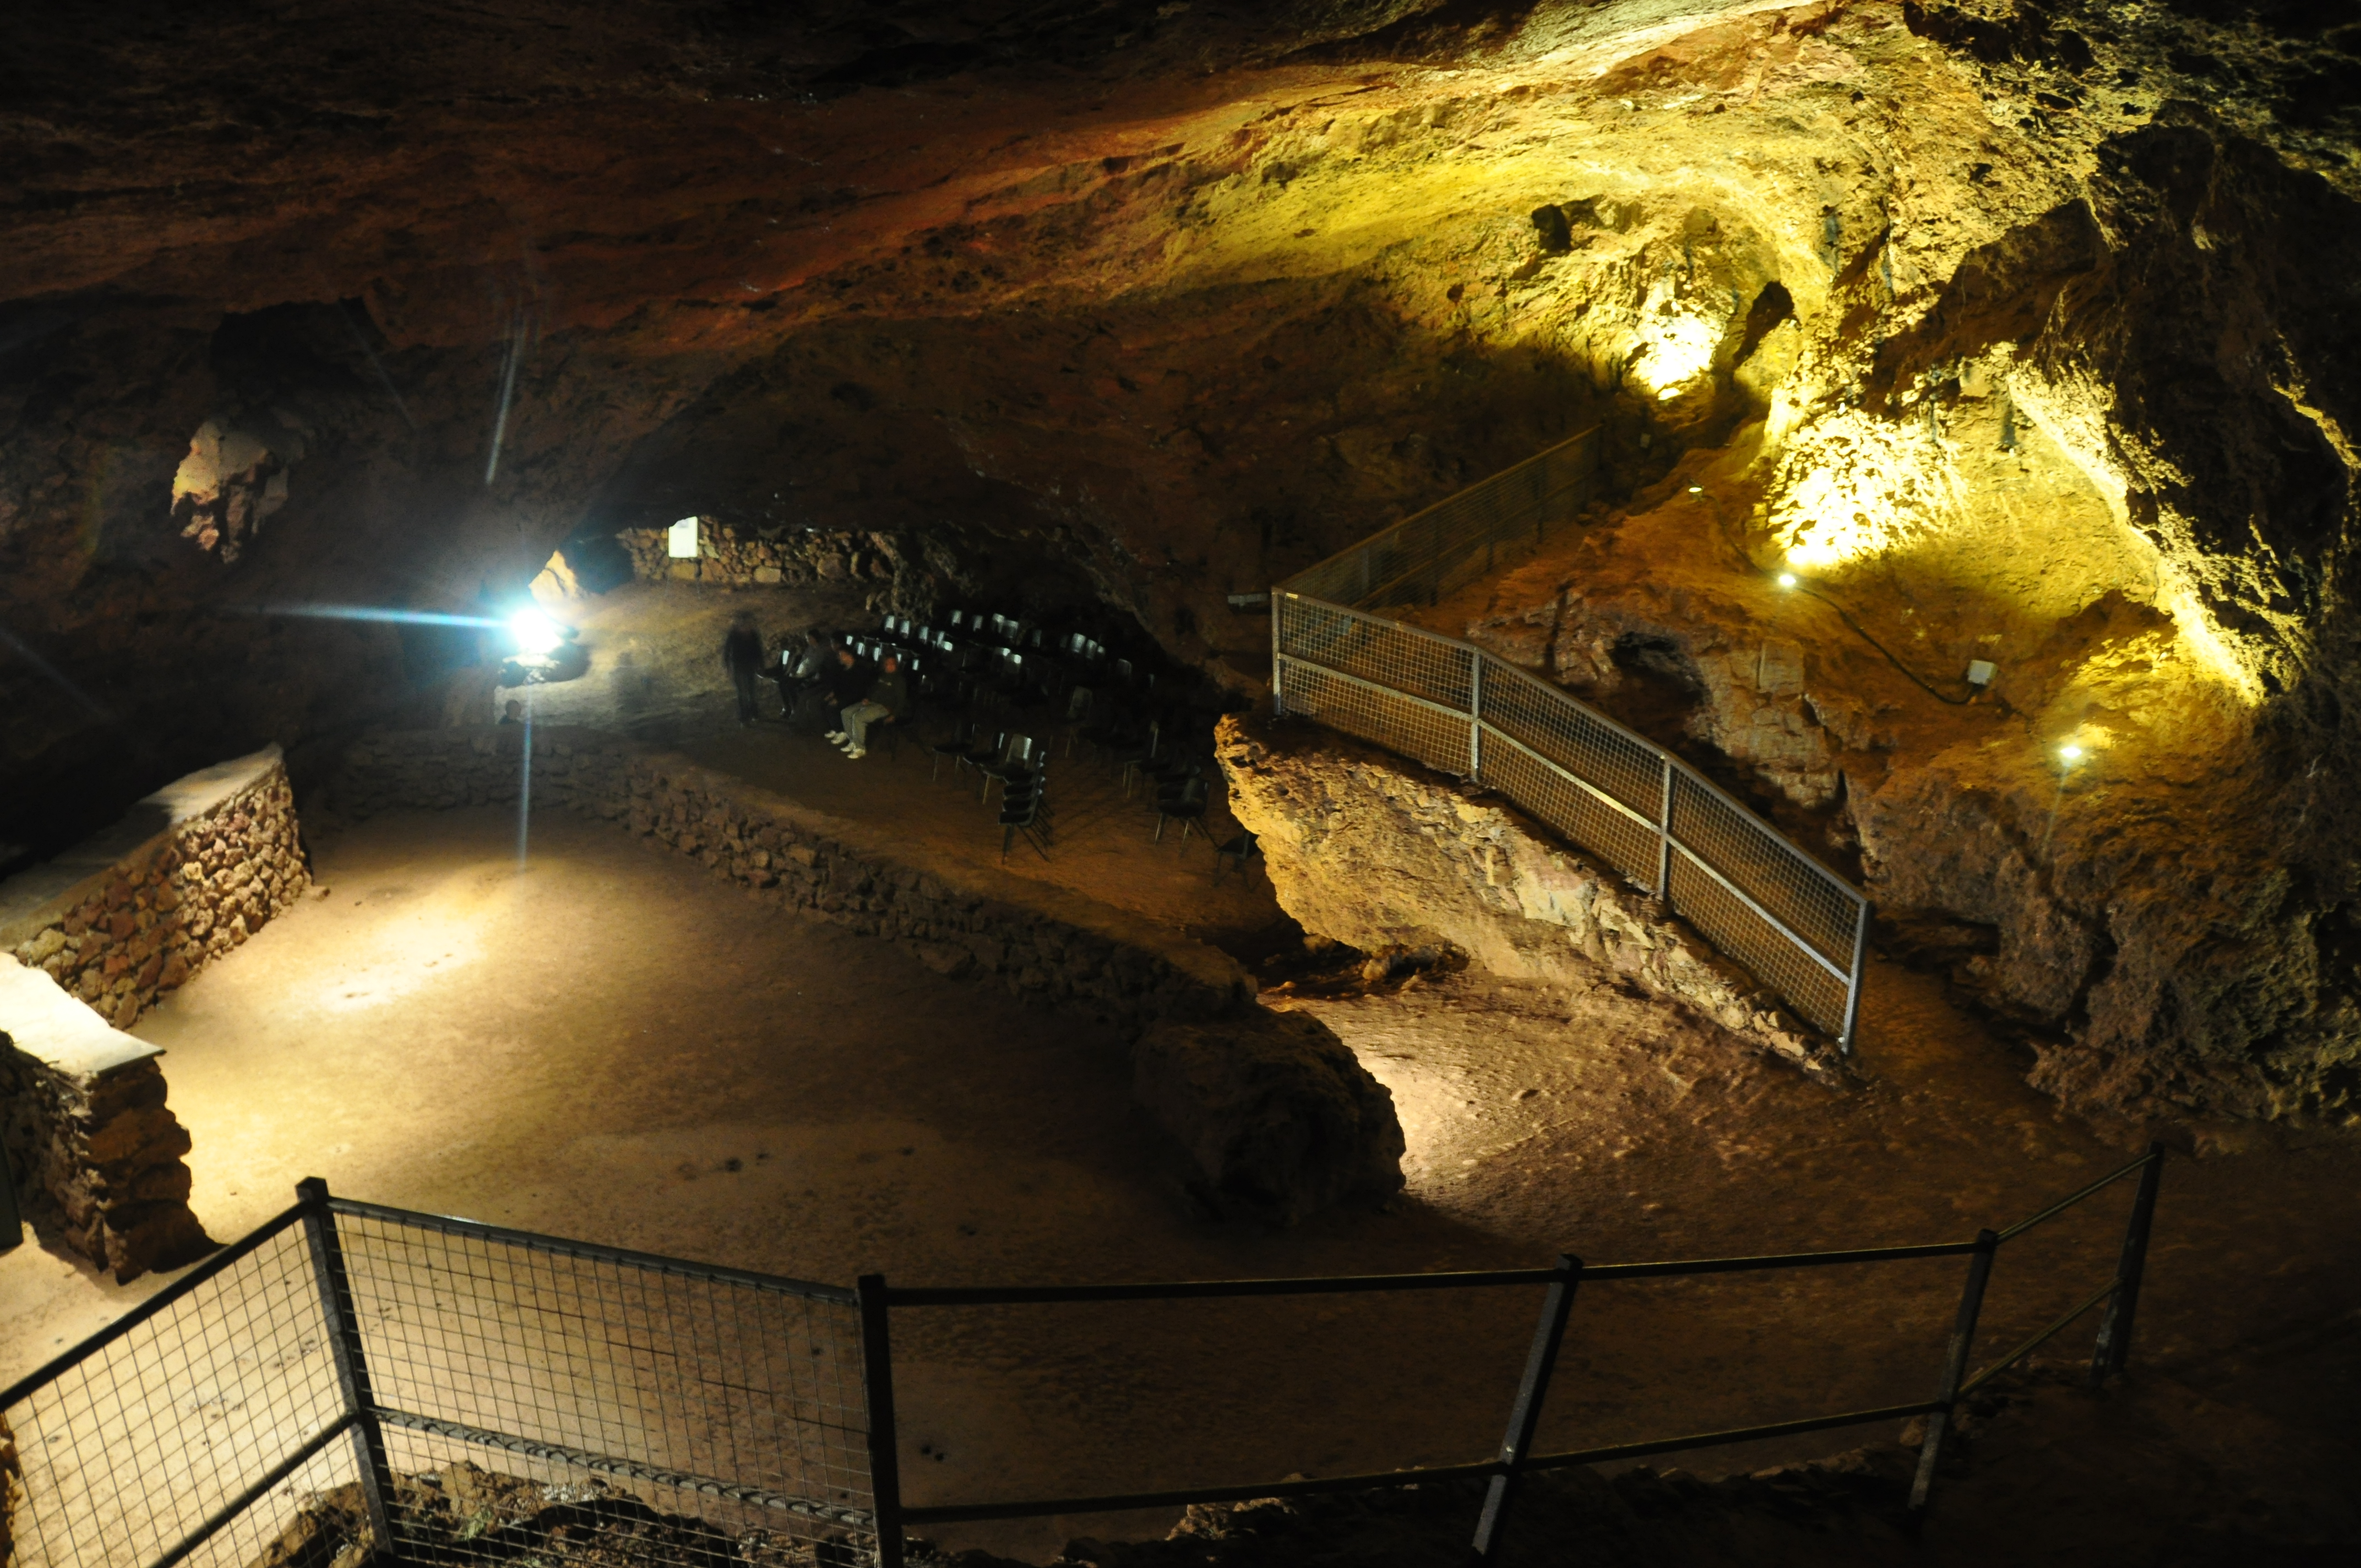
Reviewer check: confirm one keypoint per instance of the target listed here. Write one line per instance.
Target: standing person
(741, 655)
(887, 701)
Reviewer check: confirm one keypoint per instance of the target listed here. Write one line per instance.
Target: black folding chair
(1239, 849)
(1015, 766)
(1185, 805)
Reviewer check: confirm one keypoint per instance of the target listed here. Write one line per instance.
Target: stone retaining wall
(84, 1126)
(794, 558)
(94, 938)
(191, 873)
(1366, 849)
(1037, 941)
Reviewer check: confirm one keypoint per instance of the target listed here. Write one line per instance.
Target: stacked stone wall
(1036, 942)
(95, 1140)
(796, 558)
(195, 892)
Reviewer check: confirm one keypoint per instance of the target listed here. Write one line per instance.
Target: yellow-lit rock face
(2022, 337)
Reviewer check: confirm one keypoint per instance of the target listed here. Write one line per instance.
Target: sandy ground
(611, 1045)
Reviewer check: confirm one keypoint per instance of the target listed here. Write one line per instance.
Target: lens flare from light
(534, 632)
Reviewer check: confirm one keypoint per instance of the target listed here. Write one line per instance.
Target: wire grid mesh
(702, 1384)
(1398, 723)
(460, 1502)
(132, 1449)
(1741, 933)
(1458, 539)
(1376, 648)
(1578, 740)
(1571, 811)
(1773, 872)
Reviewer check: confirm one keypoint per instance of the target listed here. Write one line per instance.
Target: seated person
(887, 701)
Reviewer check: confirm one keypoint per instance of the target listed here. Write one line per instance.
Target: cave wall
(2019, 326)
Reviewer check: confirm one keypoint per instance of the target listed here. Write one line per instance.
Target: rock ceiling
(2025, 332)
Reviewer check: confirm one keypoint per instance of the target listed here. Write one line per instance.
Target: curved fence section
(1757, 897)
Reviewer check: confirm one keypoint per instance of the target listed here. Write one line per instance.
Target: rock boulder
(1278, 1116)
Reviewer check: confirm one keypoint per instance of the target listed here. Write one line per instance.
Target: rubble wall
(191, 874)
(86, 1131)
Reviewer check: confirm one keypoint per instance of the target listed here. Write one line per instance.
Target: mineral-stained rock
(1279, 1117)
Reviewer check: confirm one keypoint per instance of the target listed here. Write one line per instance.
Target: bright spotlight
(535, 634)
(1786, 579)
(2071, 752)
(1697, 490)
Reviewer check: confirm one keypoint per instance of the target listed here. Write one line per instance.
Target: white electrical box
(1980, 672)
(680, 541)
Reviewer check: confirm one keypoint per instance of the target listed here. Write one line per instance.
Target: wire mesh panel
(1774, 872)
(1723, 919)
(1569, 810)
(1458, 539)
(1582, 742)
(1399, 723)
(708, 1388)
(1322, 619)
(1375, 649)
(149, 1438)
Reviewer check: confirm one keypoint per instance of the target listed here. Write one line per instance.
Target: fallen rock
(1280, 1118)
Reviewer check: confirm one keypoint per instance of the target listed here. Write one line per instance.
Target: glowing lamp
(2071, 752)
(535, 634)
(1786, 579)
(1697, 490)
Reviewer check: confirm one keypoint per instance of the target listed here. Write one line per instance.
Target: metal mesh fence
(131, 1450)
(1789, 885)
(1460, 539)
(1773, 909)
(536, 1399)
(1722, 918)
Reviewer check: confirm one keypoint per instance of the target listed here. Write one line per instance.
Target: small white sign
(680, 541)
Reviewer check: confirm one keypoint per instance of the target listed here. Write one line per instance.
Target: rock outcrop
(1280, 1118)
(1372, 852)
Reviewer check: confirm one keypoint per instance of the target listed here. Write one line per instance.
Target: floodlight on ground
(535, 634)
(1786, 579)
(2069, 753)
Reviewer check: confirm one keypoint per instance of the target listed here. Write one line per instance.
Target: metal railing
(1798, 926)
(455, 1389)
(454, 1392)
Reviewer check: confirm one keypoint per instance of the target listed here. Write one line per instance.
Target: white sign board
(681, 540)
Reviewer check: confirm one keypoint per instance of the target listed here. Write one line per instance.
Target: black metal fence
(458, 1393)
(1338, 657)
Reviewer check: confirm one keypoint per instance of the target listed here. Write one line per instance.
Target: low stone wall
(83, 1124)
(1034, 940)
(795, 558)
(194, 871)
(1366, 849)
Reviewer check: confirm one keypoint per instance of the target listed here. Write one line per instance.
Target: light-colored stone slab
(39, 1019)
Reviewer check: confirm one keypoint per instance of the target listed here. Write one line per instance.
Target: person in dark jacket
(741, 655)
(887, 700)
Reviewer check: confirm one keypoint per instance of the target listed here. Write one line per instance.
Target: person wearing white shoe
(886, 702)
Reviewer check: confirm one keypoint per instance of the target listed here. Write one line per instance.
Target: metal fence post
(1854, 981)
(352, 1367)
(1278, 683)
(2114, 1345)
(877, 1383)
(1955, 1365)
(1664, 843)
(1476, 717)
(1525, 1414)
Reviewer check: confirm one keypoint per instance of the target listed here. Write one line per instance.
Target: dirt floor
(611, 1045)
